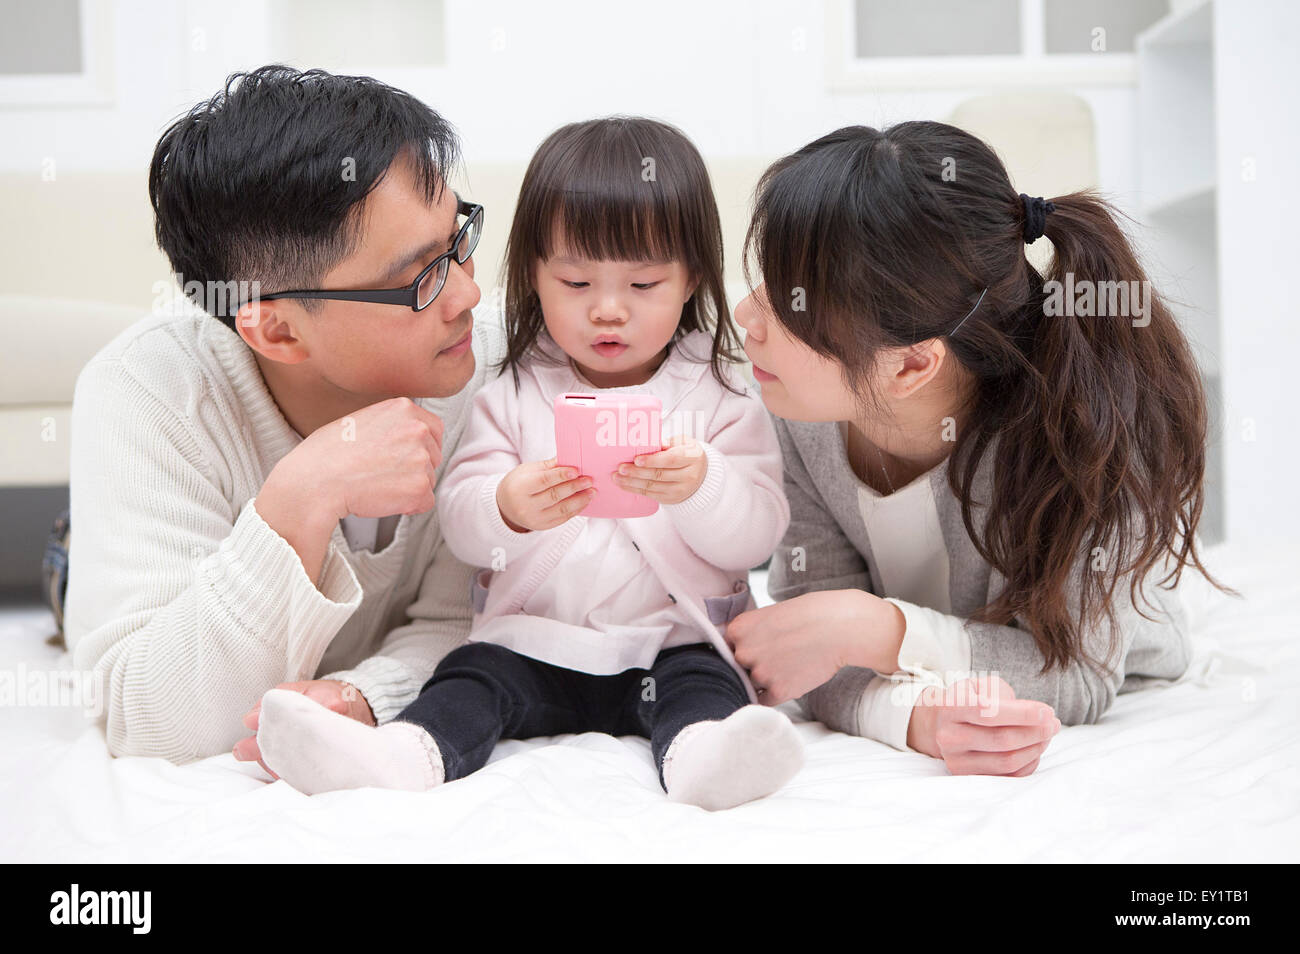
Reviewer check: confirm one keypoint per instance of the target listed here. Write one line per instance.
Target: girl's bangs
(610, 222)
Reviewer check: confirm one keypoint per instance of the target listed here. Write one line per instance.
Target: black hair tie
(1036, 210)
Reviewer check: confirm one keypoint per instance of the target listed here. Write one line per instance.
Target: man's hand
(341, 697)
(541, 495)
(378, 462)
(668, 476)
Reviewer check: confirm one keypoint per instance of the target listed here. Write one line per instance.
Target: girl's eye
(575, 284)
(642, 286)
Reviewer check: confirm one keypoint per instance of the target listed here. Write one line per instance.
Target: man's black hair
(261, 182)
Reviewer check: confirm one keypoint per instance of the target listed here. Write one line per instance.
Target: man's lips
(460, 343)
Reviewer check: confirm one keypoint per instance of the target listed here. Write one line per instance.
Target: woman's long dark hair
(892, 235)
(625, 189)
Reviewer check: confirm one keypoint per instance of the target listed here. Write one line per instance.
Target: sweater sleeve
(937, 644)
(467, 507)
(738, 515)
(940, 649)
(184, 608)
(439, 622)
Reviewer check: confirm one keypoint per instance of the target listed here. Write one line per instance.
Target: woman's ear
(917, 365)
(267, 328)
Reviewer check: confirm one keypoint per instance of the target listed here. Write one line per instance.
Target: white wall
(742, 78)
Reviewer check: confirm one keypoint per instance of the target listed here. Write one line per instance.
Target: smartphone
(594, 433)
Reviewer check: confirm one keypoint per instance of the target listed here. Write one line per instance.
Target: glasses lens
(468, 241)
(431, 284)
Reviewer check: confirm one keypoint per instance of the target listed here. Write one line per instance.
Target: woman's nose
(747, 317)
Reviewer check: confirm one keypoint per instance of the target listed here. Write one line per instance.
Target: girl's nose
(609, 308)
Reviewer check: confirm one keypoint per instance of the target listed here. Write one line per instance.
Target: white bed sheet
(1203, 770)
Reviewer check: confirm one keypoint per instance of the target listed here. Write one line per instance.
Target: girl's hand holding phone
(668, 476)
(541, 495)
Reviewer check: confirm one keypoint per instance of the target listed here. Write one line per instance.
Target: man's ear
(917, 366)
(269, 330)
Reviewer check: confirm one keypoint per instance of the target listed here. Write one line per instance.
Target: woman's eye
(642, 286)
(575, 284)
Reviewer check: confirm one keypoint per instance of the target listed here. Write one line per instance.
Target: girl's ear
(691, 285)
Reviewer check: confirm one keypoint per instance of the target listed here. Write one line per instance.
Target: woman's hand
(668, 476)
(979, 727)
(541, 495)
(342, 697)
(792, 647)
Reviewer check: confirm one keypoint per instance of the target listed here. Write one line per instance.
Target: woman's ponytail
(1101, 460)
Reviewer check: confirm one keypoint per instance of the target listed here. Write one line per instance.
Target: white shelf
(1176, 113)
(1177, 171)
(1193, 24)
(1198, 199)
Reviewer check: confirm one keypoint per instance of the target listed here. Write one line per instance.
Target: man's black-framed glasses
(420, 293)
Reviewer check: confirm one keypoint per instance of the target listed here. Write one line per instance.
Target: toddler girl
(613, 284)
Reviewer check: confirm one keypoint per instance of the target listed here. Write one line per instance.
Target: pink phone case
(595, 433)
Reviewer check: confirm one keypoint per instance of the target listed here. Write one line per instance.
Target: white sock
(717, 765)
(316, 750)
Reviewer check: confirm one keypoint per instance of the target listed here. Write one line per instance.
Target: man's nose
(461, 292)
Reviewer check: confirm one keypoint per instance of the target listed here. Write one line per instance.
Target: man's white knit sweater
(186, 602)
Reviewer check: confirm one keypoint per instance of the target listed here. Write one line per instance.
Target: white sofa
(47, 342)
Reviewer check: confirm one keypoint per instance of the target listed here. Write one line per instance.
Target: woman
(993, 491)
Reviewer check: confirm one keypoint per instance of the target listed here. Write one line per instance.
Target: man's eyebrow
(422, 254)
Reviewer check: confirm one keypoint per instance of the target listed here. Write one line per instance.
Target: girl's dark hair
(892, 235)
(623, 189)
(262, 182)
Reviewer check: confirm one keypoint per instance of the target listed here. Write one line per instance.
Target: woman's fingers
(971, 749)
(1028, 769)
(1015, 762)
(997, 710)
(1008, 738)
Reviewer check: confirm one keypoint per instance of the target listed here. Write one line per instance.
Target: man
(253, 490)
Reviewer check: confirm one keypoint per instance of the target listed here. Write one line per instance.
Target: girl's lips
(609, 349)
(760, 375)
